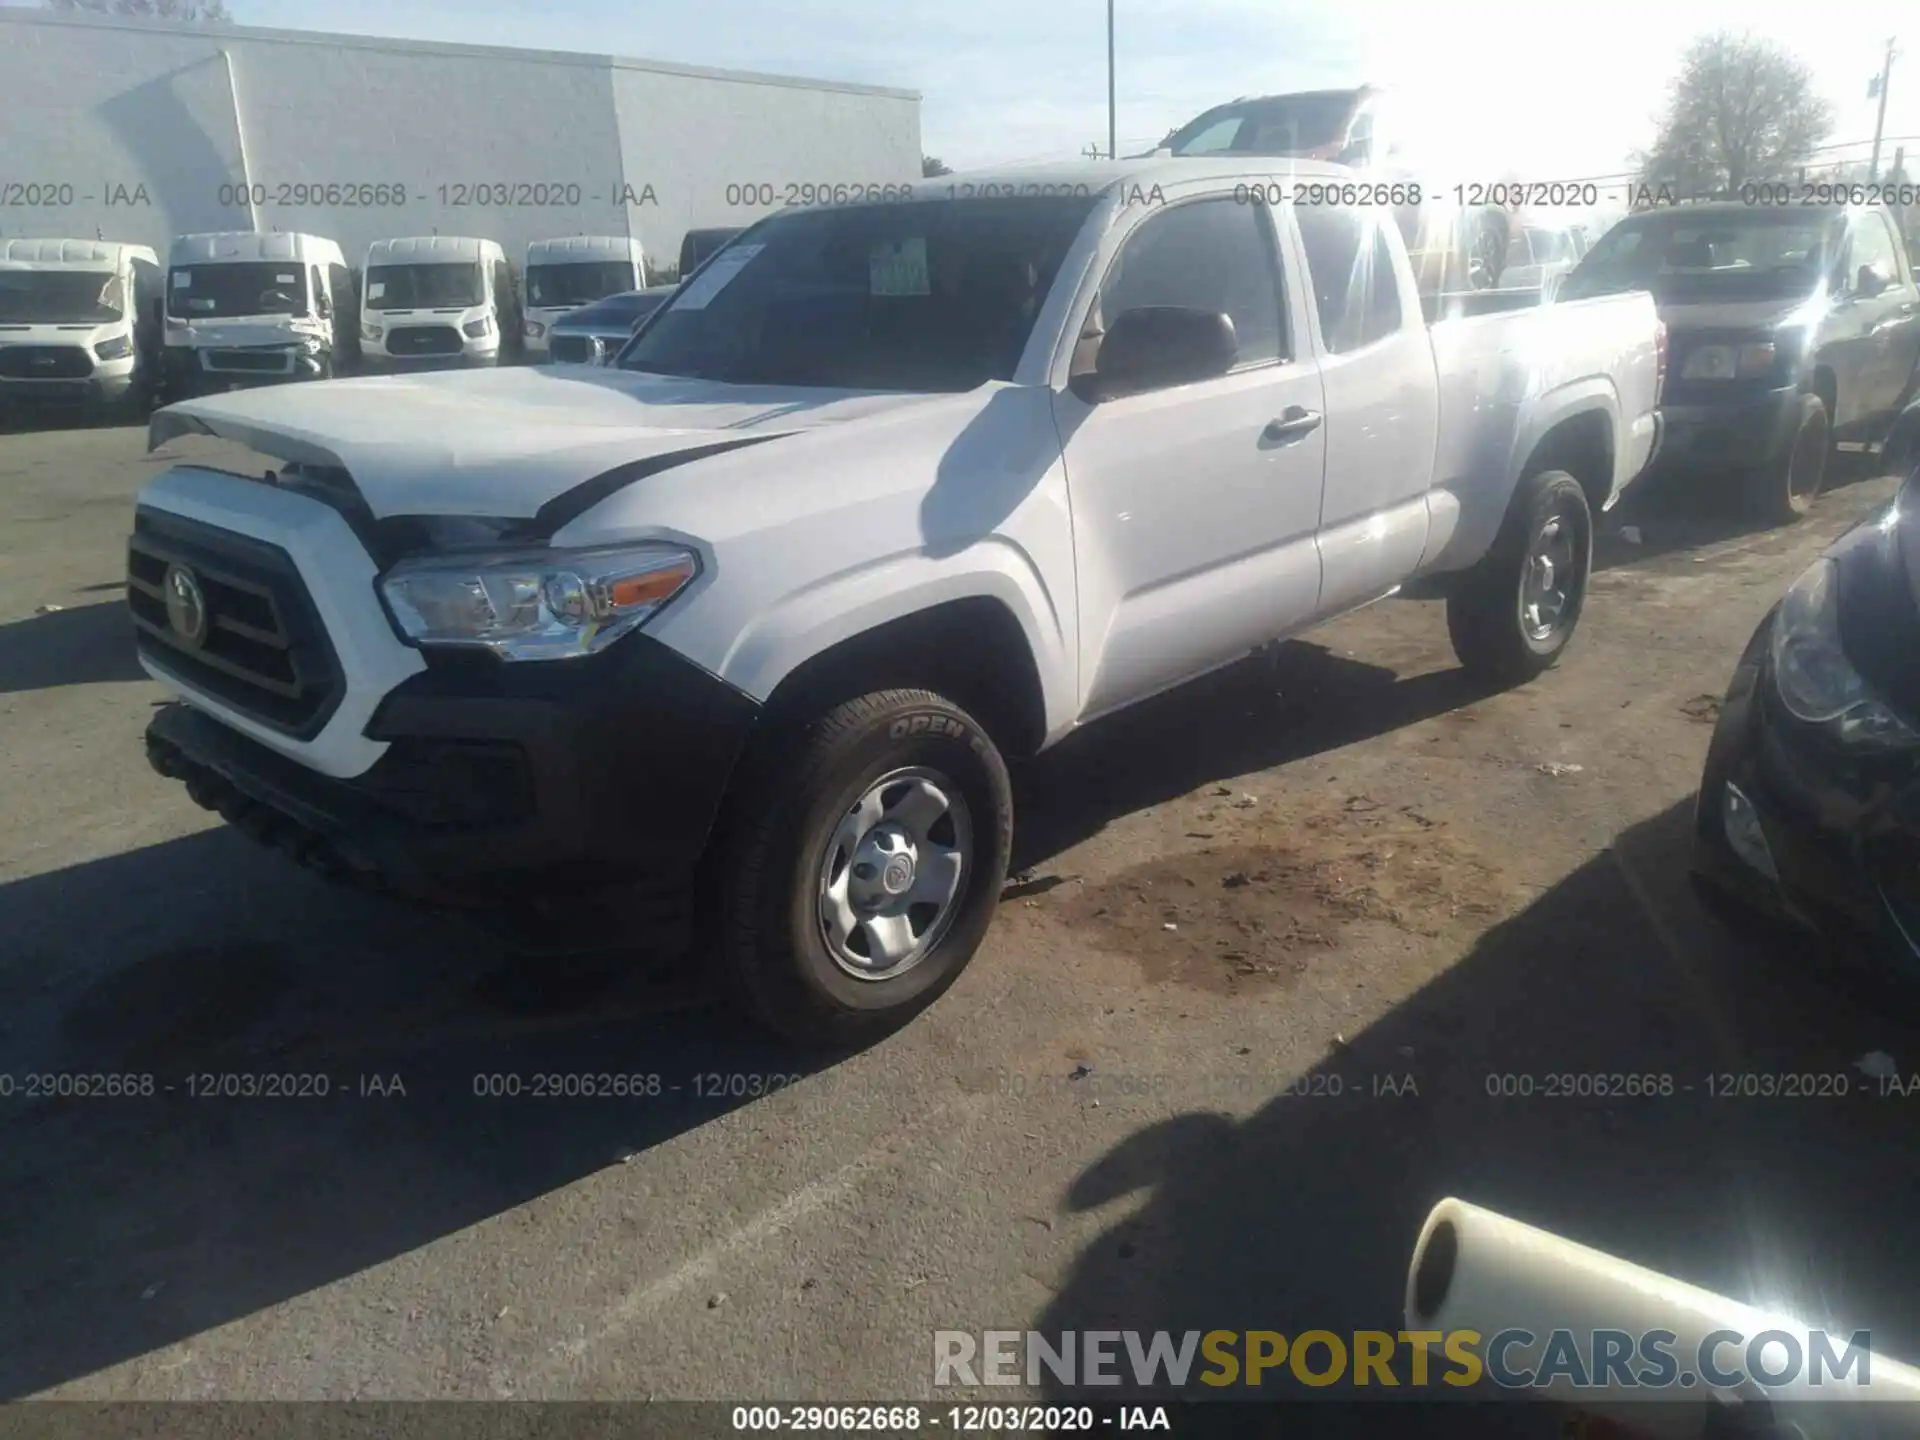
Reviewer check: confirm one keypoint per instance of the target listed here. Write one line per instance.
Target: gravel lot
(1343, 864)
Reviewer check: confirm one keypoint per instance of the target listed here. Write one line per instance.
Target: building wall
(140, 132)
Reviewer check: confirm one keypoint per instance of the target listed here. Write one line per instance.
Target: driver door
(1194, 517)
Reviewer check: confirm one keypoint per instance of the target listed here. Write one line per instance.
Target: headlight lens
(1731, 362)
(478, 329)
(1813, 676)
(370, 331)
(535, 329)
(307, 345)
(535, 604)
(118, 347)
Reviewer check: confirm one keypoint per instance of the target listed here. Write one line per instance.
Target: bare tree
(932, 165)
(179, 12)
(1742, 109)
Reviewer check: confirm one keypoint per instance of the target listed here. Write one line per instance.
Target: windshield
(60, 297)
(1285, 125)
(1758, 253)
(425, 287)
(927, 296)
(230, 288)
(698, 245)
(616, 310)
(550, 286)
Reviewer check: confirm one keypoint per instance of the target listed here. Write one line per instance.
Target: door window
(321, 305)
(1350, 266)
(1873, 250)
(1214, 255)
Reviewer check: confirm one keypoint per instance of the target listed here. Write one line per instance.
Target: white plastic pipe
(1475, 1270)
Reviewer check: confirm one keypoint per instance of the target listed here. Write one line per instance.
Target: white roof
(104, 255)
(1098, 175)
(246, 245)
(584, 249)
(432, 250)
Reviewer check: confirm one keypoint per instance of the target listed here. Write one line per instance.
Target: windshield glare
(1286, 126)
(553, 285)
(915, 296)
(225, 289)
(60, 297)
(1759, 250)
(425, 287)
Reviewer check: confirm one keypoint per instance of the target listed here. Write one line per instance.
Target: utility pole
(1879, 87)
(1112, 110)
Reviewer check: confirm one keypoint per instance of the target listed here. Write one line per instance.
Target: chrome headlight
(1812, 675)
(478, 329)
(370, 331)
(116, 347)
(534, 329)
(535, 604)
(307, 345)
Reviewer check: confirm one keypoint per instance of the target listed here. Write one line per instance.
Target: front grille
(572, 349)
(265, 652)
(45, 362)
(275, 361)
(423, 340)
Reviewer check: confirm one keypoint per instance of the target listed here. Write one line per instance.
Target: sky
(1501, 89)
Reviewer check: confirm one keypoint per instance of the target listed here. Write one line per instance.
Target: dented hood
(504, 442)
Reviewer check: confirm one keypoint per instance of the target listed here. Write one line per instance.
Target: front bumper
(1841, 833)
(187, 373)
(92, 392)
(1701, 436)
(381, 364)
(500, 781)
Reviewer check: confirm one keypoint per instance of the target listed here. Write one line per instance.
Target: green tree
(932, 165)
(180, 12)
(1741, 109)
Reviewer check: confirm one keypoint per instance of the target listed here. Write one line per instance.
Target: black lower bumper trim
(499, 780)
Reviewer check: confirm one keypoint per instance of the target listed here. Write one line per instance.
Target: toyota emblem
(186, 606)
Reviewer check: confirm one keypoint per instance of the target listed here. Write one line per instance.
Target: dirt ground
(1155, 1101)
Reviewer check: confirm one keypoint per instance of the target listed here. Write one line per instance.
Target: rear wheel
(1789, 483)
(860, 865)
(1512, 614)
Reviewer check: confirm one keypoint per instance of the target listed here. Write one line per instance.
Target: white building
(137, 132)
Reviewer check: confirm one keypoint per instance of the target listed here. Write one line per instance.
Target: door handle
(1297, 421)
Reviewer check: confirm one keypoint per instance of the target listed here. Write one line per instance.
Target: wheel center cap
(897, 876)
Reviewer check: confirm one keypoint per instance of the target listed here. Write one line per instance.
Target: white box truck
(246, 309)
(79, 326)
(437, 302)
(576, 270)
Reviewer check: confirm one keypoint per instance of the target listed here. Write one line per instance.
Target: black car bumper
(418, 364)
(499, 781)
(91, 393)
(1707, 436)
(186, 375)
(1840, 834)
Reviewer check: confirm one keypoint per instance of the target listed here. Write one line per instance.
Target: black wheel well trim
(1582, 445)
(1825, 383)
(972, 650)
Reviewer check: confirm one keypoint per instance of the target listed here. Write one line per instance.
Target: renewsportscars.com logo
(1655, 1362)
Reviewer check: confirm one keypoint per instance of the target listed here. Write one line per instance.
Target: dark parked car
(1789, 329)
(1809, 809)
(594, 333)
(699, 244)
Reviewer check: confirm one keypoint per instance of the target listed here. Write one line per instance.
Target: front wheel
(1792, 480)
(860, 865)
(1513, 613)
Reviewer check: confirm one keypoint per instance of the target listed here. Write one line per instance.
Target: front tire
(860, 865)
(1790, 482)
(1512, 615)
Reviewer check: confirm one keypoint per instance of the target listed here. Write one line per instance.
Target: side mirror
(1868, 283)
(1156, 347)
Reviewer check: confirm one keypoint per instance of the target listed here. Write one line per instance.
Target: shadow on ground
(204, 956)
(1303, 1214)
(85, 645)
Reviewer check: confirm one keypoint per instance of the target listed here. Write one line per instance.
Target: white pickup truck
(886, 493)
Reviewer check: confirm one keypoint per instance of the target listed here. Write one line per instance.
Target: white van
(437, 301)
(564, 274)
(247, 309)
(79, 325)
